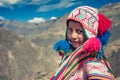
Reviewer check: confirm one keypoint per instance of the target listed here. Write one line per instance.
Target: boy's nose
(74, 35)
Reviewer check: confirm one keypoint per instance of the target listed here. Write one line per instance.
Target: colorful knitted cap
(88, 16)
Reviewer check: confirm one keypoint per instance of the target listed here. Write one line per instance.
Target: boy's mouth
(75, 43)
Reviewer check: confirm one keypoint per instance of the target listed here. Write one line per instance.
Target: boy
(82, 51)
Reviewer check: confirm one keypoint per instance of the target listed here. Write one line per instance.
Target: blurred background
(29, 29)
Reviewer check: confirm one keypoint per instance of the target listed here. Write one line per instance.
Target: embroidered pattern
(97, 68)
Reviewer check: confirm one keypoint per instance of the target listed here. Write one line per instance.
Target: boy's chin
(76, 46)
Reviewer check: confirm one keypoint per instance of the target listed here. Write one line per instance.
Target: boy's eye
(79, 31)
(69, 29)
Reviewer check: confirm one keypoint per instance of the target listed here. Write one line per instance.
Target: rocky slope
(21, 59)
(113, 12)
(25, 30)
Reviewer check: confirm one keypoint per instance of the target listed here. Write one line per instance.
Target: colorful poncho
(83, 64)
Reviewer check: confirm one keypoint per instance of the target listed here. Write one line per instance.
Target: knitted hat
(88, 16)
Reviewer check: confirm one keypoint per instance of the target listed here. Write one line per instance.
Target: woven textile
(82, 64)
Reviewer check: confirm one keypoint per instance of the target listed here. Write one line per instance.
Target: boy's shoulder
(96, 67)
(95, 64)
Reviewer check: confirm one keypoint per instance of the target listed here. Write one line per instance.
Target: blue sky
(42, 10)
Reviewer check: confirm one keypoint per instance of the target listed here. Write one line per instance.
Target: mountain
(27, 48)
(113, 48)
(26, 29)
(21, 59)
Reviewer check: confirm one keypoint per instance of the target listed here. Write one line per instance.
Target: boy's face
(75, 34)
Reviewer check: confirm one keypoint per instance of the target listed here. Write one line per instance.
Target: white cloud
(9, 2)
(43, 5)
(52, 18)
(39, 2)
(62, 4)
(1, 4)
(12, 1)
(37, 20)
(2, 18)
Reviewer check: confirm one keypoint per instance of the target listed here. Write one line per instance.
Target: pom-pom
(92, 45)
(63, 45)
(104, 38)
(104, 24)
